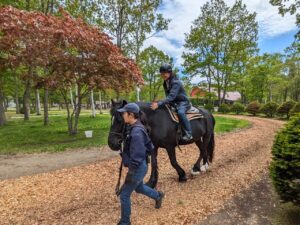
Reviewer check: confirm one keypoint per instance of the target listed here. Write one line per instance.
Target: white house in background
(230, 97)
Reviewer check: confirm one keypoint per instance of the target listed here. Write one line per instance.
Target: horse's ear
(115, 102)
(124, 102)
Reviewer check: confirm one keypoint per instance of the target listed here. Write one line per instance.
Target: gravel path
(255, 205)
(14, 166)
(85, 194)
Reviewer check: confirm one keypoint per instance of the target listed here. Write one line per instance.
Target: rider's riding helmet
(165, 68)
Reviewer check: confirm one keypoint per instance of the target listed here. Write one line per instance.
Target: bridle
(116, 133)
(120, 134)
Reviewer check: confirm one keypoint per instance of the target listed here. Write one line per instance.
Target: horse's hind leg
(202, 145)
(172, 157)
(154, 172)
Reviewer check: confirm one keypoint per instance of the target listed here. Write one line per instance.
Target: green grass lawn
(31, 136)
(225, 124)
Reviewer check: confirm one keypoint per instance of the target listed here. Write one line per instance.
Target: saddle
(192, 114)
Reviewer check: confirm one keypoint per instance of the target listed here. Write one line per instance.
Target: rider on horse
(177, 97)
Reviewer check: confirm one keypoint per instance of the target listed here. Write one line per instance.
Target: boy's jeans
(135, 183)
(182, 107)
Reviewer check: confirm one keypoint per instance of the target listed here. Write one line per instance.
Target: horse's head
(115, 137)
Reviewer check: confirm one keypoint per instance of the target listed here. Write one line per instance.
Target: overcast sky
(275, 32)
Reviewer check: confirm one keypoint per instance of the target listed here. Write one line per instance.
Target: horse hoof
(195, 173)
(182, 179)
(204, 168)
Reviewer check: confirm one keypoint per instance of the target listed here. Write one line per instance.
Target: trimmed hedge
(269, 109)
(224, 108)
(295, 109)
(285, 165)
(237, 108)
(285, 108)
(253, 108)
(209, 107)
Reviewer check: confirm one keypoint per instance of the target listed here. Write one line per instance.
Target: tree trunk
(2, 110)
(17, 97)
(219, 96)
(71, 97)
(28, 5)
(46, 115)
(100, 100)
(69, 116)
(93, 104)
(138, 93)
(77, 110)
(52, 7)
(117, 94)
(76, 94)
(285, 95)
(6, 102)
(209, 85)
(26, 99)
(38, 103)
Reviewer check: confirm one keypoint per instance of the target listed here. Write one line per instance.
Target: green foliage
(269, 109)
(285, 165)
(265, 79)
(295, 109)
(131, 22)
(292, 8)
(209, 107)
(195, 101)
(149, 61)
(237, 108)
(293, 68)
(222, 36)
(224, 108)
(253, 108)
(284, 108)
(32, 110)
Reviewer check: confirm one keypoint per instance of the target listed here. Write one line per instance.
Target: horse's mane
(146, 107)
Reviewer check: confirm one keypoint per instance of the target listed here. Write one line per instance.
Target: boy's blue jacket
(136, 146)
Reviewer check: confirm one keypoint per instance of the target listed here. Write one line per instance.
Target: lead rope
(118, 189)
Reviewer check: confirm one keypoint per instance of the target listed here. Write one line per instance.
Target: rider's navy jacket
(174, 91)
(137, 145)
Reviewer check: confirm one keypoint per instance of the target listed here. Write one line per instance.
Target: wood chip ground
(85, 194)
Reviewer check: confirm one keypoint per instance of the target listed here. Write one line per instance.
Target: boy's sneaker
(159, 201)
(120, 223)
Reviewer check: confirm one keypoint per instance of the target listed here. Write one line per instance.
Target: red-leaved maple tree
(61, 52)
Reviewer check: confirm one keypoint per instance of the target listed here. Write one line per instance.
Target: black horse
(164, 134)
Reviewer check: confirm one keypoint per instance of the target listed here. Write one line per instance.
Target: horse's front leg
(154, 172)
(172, 157)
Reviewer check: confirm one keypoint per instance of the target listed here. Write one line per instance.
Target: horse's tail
(211, 144)
(211, 147)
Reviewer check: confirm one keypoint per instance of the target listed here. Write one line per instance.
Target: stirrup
(187, 137)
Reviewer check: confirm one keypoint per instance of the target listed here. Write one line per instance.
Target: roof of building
(201, 92)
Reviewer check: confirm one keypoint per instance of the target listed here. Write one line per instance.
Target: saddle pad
(190, 116)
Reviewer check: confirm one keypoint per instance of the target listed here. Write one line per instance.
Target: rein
(120, 134)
